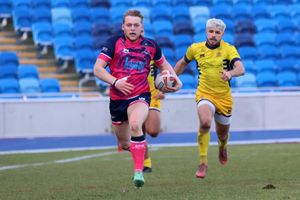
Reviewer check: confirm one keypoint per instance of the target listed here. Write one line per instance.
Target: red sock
(137, 150)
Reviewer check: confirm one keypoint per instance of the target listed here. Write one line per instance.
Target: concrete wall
(90, 116)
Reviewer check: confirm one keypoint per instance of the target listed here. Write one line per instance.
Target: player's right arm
(180, 66)
(121, 84)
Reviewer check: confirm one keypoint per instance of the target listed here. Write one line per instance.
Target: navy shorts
(118, 108)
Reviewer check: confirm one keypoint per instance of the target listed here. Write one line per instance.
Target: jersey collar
(212, 47)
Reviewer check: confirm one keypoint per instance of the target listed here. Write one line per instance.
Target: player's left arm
(238, 70)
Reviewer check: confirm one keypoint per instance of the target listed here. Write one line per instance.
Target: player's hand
(226, 75)
(123, 86)
(160, 95)
(176, 87)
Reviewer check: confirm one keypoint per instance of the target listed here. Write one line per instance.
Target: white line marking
(68, 160)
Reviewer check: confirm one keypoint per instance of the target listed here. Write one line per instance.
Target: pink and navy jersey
(130, 59)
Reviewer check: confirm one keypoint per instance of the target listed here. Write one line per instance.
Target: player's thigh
(206, 110)
(137, 113)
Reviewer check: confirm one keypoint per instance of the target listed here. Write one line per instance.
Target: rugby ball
(164, 79)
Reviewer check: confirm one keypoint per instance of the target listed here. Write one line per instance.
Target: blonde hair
(133, 13)
(216, 23)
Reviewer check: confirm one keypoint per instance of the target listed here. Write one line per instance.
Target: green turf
(250, 169)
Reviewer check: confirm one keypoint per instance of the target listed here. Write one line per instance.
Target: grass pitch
(265, 171)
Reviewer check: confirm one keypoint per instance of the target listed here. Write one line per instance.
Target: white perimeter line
(269, 141)
(68, 160)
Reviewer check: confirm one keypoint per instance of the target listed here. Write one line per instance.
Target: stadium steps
(47, 65)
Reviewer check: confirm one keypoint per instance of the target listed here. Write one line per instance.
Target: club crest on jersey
(125, 50)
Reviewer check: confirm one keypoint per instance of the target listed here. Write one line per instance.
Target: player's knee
(135, 127)
(205, 126)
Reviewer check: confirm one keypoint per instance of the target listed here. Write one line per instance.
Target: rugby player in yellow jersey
(217, 62)
(152, 123)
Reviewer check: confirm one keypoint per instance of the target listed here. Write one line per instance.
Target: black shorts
(118, 108)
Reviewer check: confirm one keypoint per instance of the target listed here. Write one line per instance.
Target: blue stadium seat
(180, 12)
(183, 27)
(162, 3)
(199, 12)
(42, 34)
(247, 52)
(41, 4)
(287, 79)
(164, 41)
(9, 58)
(266, 79)
(188, 81)
(99, 3)
(248, 80)
(84, 43)
(268, 52)
(249, 65)
(63, 48)
(266, 25)
(84, 61)
(29, 85)
(169, 54)
(60, 4)
(148, 28)
(200, 37)
(161, 13)
(125, 3)
(9, 86)
(245, 26)
(163, 27)
(207, 3)
(79, 3)
(142, 3)
(180, 52)
(286, 25)
(243, 2)
(285, 38)
(184, 3)
(8, 71)
(266, 65)
(182, 40)
(101, 29)
(81, 15)
(241, 12)
(21, 4)
(265, 38)
(230, 26)
(28, 71)
(41, 15)
(99, 41)
(199, 25)
(228, 38)
(22, 20)
(287, 65)
(290, 51)
(62, 29)
(260, 12)
(244, 40)
(82, 29)
(278, 10)
(5, 9)
(116, 13)
(99, 14)
(50, 85)
(61, 15)
(222, 11)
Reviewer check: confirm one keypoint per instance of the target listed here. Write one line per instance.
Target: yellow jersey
(210, 64)
(155, 102)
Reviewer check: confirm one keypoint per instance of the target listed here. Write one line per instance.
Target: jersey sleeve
(233, 55)
(158, 58)
(108, 49)
(189, 55)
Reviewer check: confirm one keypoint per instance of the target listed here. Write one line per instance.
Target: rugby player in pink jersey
(128, 57)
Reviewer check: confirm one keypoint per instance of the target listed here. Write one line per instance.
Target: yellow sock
(222, 144)
(203, 142)
(147, 162)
